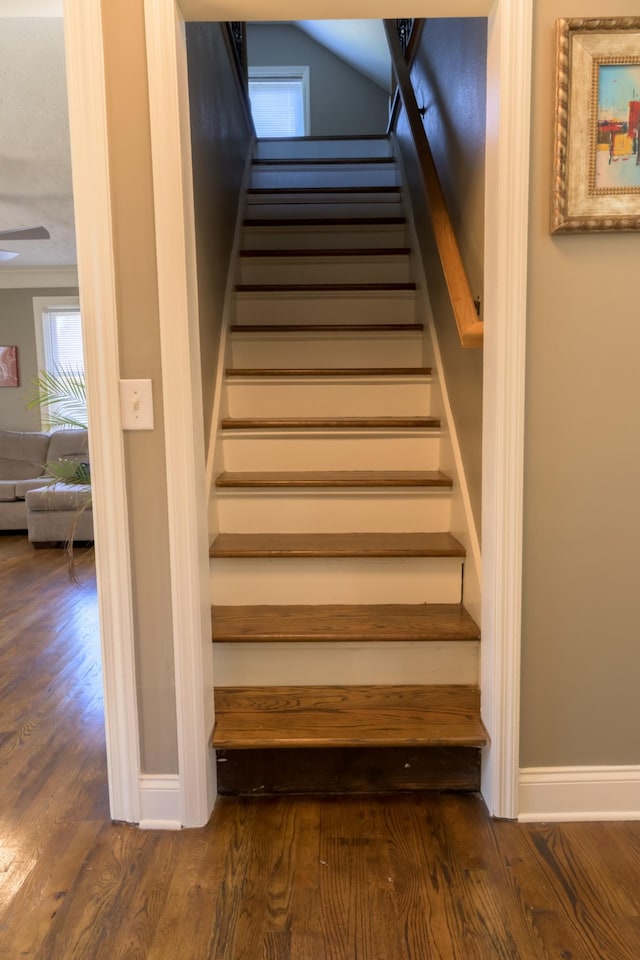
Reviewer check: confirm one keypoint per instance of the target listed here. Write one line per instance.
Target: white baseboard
(160, 802)
(579, 793)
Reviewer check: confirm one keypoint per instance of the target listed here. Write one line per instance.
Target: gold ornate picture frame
(597, 125)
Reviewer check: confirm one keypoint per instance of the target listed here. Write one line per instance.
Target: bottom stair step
(348, 716)
(347, 740)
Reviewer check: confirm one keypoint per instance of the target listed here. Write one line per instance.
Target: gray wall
(581, 649)
(342, 100)
(139, 342)
(17, 329)
(219, 140)
(221, 133)
(449, 78)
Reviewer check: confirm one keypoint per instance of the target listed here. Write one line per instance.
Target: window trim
(289, 73)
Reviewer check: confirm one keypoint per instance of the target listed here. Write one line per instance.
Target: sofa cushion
(7, 489)
(23, 486)
(59, 496)
(22, 455)
(68, 445)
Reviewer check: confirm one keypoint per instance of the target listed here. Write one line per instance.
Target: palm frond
(62, 395)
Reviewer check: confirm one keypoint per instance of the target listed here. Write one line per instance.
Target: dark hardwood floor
(404, 878)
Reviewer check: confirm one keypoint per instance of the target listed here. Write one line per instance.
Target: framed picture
(597, 125)
(9, 367)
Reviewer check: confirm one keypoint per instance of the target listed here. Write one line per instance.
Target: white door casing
(508, 106)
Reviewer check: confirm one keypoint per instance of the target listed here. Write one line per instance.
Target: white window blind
(279, 101)
(62, 335)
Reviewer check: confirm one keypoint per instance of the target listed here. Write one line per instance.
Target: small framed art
(597, 125)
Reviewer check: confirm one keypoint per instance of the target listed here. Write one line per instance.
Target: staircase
(344, 659)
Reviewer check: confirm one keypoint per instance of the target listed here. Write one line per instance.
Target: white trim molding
(184, 427)
(506, 241)
(160, 802)
(579, 793)
(96, 270)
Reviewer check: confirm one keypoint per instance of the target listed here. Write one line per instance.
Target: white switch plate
(136, 404)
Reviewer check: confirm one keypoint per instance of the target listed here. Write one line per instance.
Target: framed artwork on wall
(9, 367)
(597, 125)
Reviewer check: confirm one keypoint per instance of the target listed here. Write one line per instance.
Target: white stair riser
(345, 208)
(321, 580)
(296, 450)
(359, 397)
(309, 350)
(307, 147)
(341, 269)
(316, 511)
(282, 664)
(325, 175)
(310, 307)
(326, 237)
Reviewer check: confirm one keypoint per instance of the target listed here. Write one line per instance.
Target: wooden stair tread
(396, 622)
(323, 287)
(335, 423)
(336, 545)
(326, 327)
(321, 161)
(328, 371)
(278, 191)
(333, 478)
(319, 252)
(250, 717)
(324, 221)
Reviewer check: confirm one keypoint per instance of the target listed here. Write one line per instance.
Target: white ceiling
(35, 166)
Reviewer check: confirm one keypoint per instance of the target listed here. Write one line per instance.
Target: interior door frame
(507, 179)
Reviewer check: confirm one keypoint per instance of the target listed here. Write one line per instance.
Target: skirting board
(579, 793)
(160, 802)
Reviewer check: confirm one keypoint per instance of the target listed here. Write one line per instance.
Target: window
(58, 330)
(280, 101)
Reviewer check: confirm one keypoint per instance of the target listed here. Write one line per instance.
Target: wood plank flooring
(420, 877)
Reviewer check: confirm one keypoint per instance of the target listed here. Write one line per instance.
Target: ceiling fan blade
(25, 233)
(7, 255)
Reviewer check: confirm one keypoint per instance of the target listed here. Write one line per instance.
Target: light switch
(136, 404)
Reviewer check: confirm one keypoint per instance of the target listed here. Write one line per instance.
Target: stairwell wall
(221, 136)
(580, 650)
(449, 79)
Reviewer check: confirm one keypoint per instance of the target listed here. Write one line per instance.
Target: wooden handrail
(470, 328)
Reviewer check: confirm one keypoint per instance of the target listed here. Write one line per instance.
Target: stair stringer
(463, 524)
